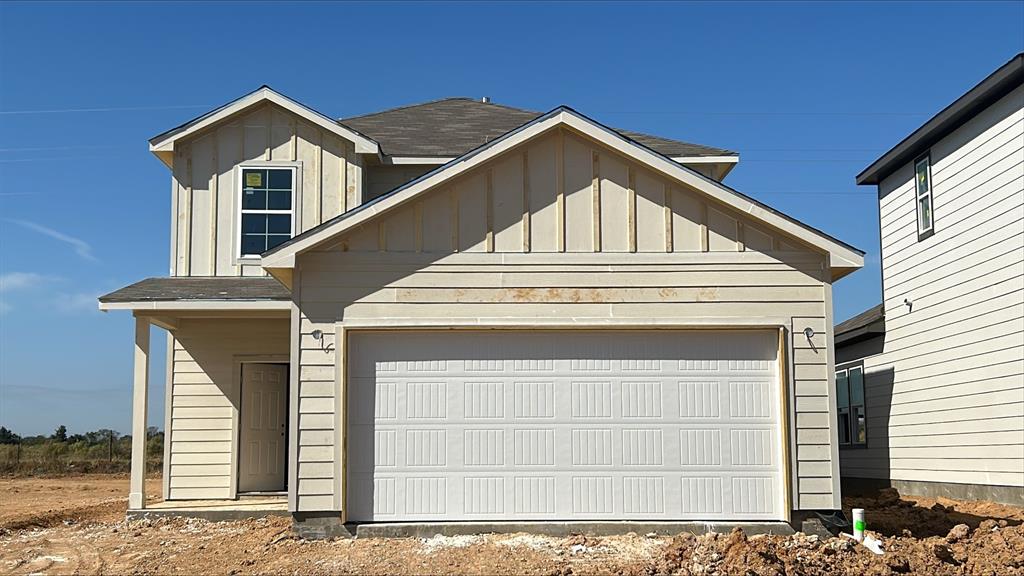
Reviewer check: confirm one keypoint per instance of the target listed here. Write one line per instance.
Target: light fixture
(909, 303)
(809, 332)
(317, 334)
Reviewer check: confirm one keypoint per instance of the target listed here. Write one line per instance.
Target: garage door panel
(512, 425)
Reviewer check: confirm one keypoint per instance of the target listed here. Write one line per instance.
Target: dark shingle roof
(868, 322)
(199, 288)
(453, 126)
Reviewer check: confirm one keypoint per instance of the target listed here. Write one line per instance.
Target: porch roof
(198, 291)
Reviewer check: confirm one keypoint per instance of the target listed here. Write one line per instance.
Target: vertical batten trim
(489, 209)
(236, 199)
(318, 157)
(350, 180)
(830, 361)
(343, 179)
(704, 227)
(168, 425)
(668, 219)
(453, 205)
(560, 190)
(740, 240)
(787, 469)
(294, 373)
(418, 223)
(214, 190)
(526, 201)
(188, 213)
(341, 419)
(595, 194)
(631, 206)
(382, 236)
(269, 125)
(175, 220)
(293, 142)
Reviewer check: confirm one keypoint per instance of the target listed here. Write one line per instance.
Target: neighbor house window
(267, 216)
(853, 429)
(923, 188)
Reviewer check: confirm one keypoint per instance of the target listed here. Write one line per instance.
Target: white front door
(576, 425)
(263, 417)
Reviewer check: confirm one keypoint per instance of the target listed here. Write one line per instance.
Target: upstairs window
(266, 209)
(923, 189)
(853, 427)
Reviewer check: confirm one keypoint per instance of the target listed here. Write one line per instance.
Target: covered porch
(226, 422)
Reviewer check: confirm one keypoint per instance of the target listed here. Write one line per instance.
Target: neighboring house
(464, 311)
(931, 381)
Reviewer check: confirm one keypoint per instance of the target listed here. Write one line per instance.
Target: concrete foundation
(321, 525)
(1012, 495)
(426, 530)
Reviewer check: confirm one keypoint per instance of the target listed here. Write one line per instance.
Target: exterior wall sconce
(318, 335)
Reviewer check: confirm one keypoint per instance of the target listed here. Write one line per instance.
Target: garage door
(508, 425)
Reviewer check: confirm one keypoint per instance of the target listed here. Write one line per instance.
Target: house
(461, 311)
(931, 381)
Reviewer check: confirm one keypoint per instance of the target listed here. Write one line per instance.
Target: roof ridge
(403, 107)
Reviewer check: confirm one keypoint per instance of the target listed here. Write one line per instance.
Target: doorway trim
(238, 362)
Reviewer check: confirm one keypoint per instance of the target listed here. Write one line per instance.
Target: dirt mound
(890, 514)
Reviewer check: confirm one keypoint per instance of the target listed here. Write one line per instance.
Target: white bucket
(858, 524)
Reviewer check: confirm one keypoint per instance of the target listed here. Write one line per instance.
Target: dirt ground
(76, 525)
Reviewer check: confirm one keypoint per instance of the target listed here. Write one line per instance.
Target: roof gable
(843, 258)
(163, 144)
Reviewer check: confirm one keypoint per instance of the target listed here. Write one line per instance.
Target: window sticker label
(254, 179)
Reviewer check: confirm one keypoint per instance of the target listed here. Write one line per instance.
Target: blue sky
(808, 93)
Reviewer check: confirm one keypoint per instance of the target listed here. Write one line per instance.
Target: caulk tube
(858, 524)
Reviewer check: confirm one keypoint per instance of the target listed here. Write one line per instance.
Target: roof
(998, 84)
(453, 126)
(843, 257)
(864, 325)
(199, 288)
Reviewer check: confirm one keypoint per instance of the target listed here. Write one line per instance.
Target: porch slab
(557, 529)
(215, 510)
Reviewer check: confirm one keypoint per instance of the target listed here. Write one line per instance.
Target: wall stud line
(526, 201)
(595, 193)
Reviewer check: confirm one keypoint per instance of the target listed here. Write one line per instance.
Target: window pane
(252, 178)
(924, 212)
(279, 200)
(860, 426)
(276, 240)
(254, 199)
(254, 223)
(280, 179)
(842, 390)
(279, 224)
(856, 387)
(253, 244)
(844, 427)
(922, 177)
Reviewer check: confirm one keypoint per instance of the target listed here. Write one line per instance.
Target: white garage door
(571, 425)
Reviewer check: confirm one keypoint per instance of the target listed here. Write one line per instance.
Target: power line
(110, 109)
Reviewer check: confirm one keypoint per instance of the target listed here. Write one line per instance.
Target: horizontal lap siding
(204, 399)
(945, 397)
(479, 287)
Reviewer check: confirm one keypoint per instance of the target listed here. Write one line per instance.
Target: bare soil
(76, 525)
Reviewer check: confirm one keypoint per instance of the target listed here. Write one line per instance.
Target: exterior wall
(205, 193)
(562, 232)
(945, 394)
(204, 400)
(381, 179)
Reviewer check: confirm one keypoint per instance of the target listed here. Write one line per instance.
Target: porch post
(140, 400)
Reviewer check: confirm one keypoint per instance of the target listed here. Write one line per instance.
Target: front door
(263, 417)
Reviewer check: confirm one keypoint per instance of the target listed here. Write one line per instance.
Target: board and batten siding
(945, 397)
(205, 194)
(556, 232)
(203, 431)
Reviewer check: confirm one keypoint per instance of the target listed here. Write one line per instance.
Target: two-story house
(461, 311)
(931, 381)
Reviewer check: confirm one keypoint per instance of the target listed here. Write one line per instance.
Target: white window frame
(296, 169)
(851, 423)
(924, 231)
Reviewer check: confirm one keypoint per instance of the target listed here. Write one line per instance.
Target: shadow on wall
(864, 469)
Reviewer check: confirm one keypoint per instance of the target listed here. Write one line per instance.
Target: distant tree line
(102, 449)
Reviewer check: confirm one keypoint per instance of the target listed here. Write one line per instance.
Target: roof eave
(985, 93)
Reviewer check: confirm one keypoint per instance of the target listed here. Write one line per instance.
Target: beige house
(461, 311)
(931, 382)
